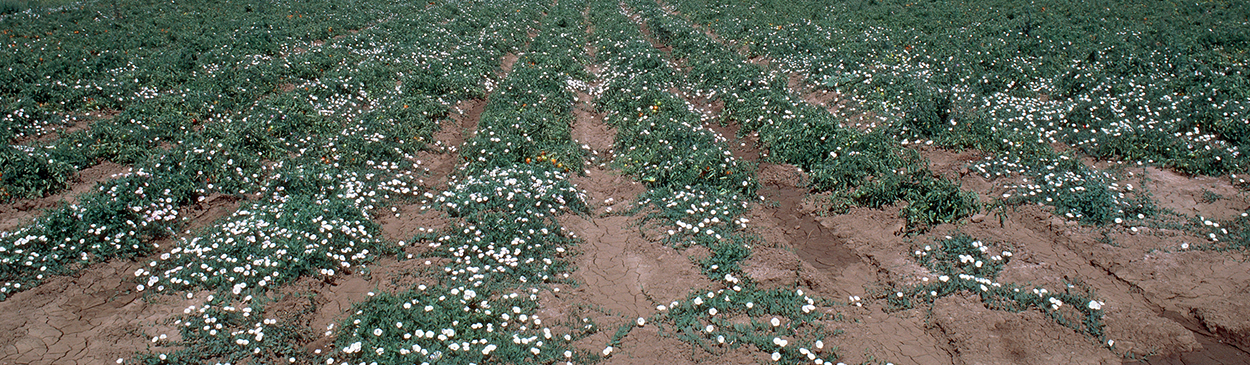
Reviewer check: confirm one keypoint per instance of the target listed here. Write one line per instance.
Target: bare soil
(318, 304)
(588, 126)
(94, 317)
(1210, 197)
(1164, 303)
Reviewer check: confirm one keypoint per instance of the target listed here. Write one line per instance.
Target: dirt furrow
(622, 270)
(622, 275)
(781, 187)
(1151, 290)
(330, 301)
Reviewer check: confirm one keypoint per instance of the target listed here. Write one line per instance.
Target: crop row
(360, 105)
(859, 168)
(504, 244)
(322, 152)
(411, 82)
(1137, 82)
(160, 69)
(699, 199)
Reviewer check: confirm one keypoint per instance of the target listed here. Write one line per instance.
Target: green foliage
(860, 168)
(226, 330)
(727, 257)
(119, 218)
(507, 234)
(325, 154)
(1209, 197)
(963, 265)
(14, 6)
(698, 214)
(450, 325)
(665, 145)
(933, 200)
(1130, 81)
(1076, 191)
(504, 235)
(781, 322)
(27, 172)
(1233, 235)
(277, 242)
(529, 117)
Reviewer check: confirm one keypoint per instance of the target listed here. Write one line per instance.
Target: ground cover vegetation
(962, 264)
(222, 151)
(860, 168)
(1119, 81)
(698, 195)
(313, 115)
(505, 243)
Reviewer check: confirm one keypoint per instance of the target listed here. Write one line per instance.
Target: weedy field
(624, 182)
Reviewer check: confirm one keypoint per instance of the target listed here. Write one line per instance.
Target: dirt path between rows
(621, 274)
(319, 304)
(783, 219)
(93, 317)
